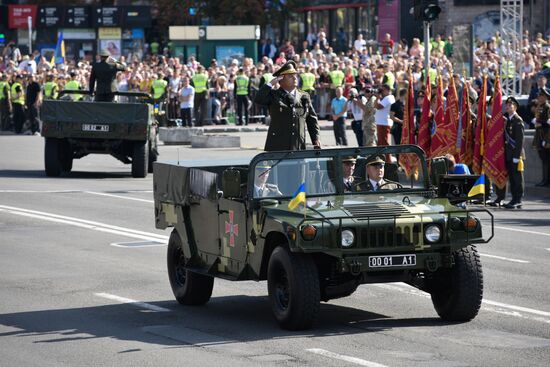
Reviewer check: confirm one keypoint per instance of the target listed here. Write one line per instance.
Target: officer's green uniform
(199, 82)
(242, 90)
(4, 105)
(513, 149)
(51, 90)
(541, 140)
(290, 114)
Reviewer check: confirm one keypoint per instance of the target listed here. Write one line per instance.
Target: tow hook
(355, 267)
(431, 264)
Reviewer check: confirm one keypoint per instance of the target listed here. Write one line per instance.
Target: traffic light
(426, 10)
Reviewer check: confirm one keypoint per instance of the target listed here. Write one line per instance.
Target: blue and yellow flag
(299, 197)
(59, 55)
(478, 188)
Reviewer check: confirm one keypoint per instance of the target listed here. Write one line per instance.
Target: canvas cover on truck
(95, 112)
(177, 184)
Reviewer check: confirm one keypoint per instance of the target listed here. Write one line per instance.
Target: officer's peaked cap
(288, 68)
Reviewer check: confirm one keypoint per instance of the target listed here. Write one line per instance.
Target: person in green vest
(51, 89)
(73, 84)
(199, 81)
(18, 103)
(5, 102)
(308, 81)
(336, 79)
(389, 77)
(242, 91)
(158, 88)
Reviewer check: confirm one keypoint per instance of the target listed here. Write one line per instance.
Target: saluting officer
(514, 152)
(541, 141)
(103, 74)
(242, 91)
(291, 111)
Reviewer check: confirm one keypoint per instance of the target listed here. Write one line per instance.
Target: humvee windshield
(333, 175)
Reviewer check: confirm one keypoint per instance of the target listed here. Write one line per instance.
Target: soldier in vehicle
(375, 177)
(348, 167)
(261, 187)
(104, 74)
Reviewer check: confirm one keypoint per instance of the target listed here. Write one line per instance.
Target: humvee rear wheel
(66, 156)
(457, 292)
(52, 162)
(140, 159)
(188, 287)
(293, 286)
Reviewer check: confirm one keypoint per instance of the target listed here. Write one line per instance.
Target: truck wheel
(189, 288)
(152, 158)
(140, 159)
(51, 157)
(458, 291)
(66, 156)
(293, 286)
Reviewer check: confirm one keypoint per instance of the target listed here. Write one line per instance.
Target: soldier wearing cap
(514, 154)
(348, 168)
(104, 75)
(261, 187)
(541, 141)
(291, 112)
(375, 176)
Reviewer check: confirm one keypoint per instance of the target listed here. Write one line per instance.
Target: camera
(370, 90)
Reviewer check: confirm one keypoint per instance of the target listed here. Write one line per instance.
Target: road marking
(523, 231)
(39, 191)
(96, 226)
(118, 196)
(358, 361)
(138, 244)
(132, 302)
(405, 288)
(506, 258)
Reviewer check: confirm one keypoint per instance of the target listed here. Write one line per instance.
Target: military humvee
(225, 226)
(74, 129)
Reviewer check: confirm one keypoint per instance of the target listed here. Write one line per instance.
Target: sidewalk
(253, 127)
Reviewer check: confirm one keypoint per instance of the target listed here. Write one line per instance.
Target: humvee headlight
(471, 224)
(347, 238)
(432, 233)
(309, 232)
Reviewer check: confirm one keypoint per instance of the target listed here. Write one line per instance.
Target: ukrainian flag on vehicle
(299, 197)
(478, 188)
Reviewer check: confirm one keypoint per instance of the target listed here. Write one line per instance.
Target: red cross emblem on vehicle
(232, 229)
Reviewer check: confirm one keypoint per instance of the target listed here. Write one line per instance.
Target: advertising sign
(107, 16)
(137, 16)
(50, 16)
(18, 14)
(77, 17)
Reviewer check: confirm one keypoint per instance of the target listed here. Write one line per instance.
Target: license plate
(93, 127)
(391, 261)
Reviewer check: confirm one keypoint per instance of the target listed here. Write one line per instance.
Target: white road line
(38, 191)
(523, 231)
(138, 244)
(506, 258)
(354, 360)
(96, 226)
(517, 308)
(119, 196)
(132, 302)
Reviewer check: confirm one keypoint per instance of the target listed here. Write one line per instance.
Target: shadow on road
(223, 320)
(40, 174)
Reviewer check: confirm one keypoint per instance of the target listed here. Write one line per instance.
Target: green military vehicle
(232, 220)
(74, 129)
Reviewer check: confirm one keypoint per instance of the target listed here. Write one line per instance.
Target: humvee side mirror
(438, 169)
(231, 183)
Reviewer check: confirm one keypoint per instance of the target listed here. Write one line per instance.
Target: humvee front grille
(386, 236)
(376, 210)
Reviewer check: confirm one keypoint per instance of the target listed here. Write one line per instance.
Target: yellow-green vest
(14, 97)
(337, 78)
(4, 90)
(242, 85)
(73, 85)
(308, 81)
(508, 69)
(390, 79)
(199, 81)
(159, 87)
(267, 77)
(50, 90)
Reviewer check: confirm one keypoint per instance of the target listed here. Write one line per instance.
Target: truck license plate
(391, 261)
(93, 127)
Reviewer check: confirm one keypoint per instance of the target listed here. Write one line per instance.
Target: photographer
(368, 124)
(356, 104)
(382, 116)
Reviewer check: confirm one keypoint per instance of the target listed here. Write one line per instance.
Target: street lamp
(427, 11)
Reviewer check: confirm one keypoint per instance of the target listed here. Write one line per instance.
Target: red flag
(409, 162)
(467, 143)
(494, 163)
(480, 129)
(451, 117)
(440, 145)
(424, 139)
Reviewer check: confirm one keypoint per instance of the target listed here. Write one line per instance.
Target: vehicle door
(233, 235)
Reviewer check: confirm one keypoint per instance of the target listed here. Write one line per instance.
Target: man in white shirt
(356, 105)
(382, 117)
(186, 97)
(360, 44)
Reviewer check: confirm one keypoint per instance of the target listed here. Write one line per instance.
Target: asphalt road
(83, 283)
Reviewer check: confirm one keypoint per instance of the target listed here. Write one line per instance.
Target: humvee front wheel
(189, 288)
(140, 159)
(293, 286)
(457, 292)
(52, 162)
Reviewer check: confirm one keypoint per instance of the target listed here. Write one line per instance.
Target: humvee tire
(293, 287)
(140, 159)
(52, 162)
(152, 158)
(458, 293)
(189, 288)
(66, 156)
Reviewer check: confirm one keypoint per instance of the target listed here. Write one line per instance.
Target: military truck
(74, 129)
(225, 226)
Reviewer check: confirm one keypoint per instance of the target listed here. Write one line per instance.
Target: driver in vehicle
(261, 187)
(375, 177)
(348, 167)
